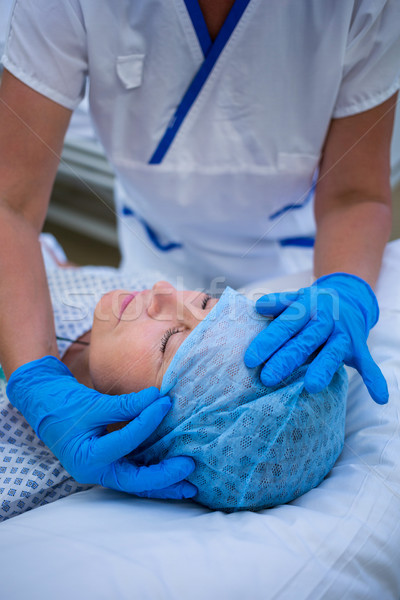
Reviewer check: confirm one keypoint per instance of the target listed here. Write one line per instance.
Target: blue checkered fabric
(30, 475)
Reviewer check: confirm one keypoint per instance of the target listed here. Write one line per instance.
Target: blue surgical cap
(254, 447)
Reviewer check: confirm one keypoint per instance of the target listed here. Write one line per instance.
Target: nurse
(238, 130)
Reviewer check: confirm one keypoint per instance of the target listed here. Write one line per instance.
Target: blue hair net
(254, 447)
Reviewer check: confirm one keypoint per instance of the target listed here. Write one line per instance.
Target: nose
(163, 300)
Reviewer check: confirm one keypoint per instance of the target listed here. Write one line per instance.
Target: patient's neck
(76, 359)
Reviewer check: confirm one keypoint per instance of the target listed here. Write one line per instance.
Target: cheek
(103, 353)
(102, 361)
(121, 364)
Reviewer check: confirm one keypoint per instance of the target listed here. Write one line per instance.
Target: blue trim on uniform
(154, 238)
(199, 25)
(295, 206)
(287, 208)
(199, 80)
(128, 212)
(304, 242)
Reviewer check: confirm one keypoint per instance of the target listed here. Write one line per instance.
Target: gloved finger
(125, 476)
(296, 351)
(276, 334)
(114, 409)
(177, 491)
(272, 305)
(320, 372)
(112, 446)
(372, 376)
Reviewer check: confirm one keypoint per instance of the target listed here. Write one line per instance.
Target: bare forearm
(32, 132)
(351, 237)
(26, 321)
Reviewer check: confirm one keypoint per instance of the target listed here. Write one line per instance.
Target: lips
(127, 301)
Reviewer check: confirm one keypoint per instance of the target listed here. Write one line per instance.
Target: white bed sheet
(340, 540)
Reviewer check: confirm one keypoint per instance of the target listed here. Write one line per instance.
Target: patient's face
(136, 334)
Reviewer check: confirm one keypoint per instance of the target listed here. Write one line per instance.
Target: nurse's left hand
(333, 315)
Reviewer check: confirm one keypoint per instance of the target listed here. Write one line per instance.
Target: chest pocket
(130, 70)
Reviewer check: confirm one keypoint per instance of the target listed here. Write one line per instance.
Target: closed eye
(166, 336)
(169, 332)
(206, 298)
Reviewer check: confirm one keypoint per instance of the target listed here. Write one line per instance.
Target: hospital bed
(340, 540)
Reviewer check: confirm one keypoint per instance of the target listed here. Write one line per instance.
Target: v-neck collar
(201, 29)
(199, 25)
(212, 51)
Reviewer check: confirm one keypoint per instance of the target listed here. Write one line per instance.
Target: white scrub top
(216, 145)
(5, 9)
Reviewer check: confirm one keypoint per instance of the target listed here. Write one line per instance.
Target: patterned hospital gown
(30, 475)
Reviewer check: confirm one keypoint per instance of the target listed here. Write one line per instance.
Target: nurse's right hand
(72, 420)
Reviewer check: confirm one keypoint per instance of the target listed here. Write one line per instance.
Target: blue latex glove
(335, 314)
(71, 420)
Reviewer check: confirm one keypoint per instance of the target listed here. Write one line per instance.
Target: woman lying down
(254, 447)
